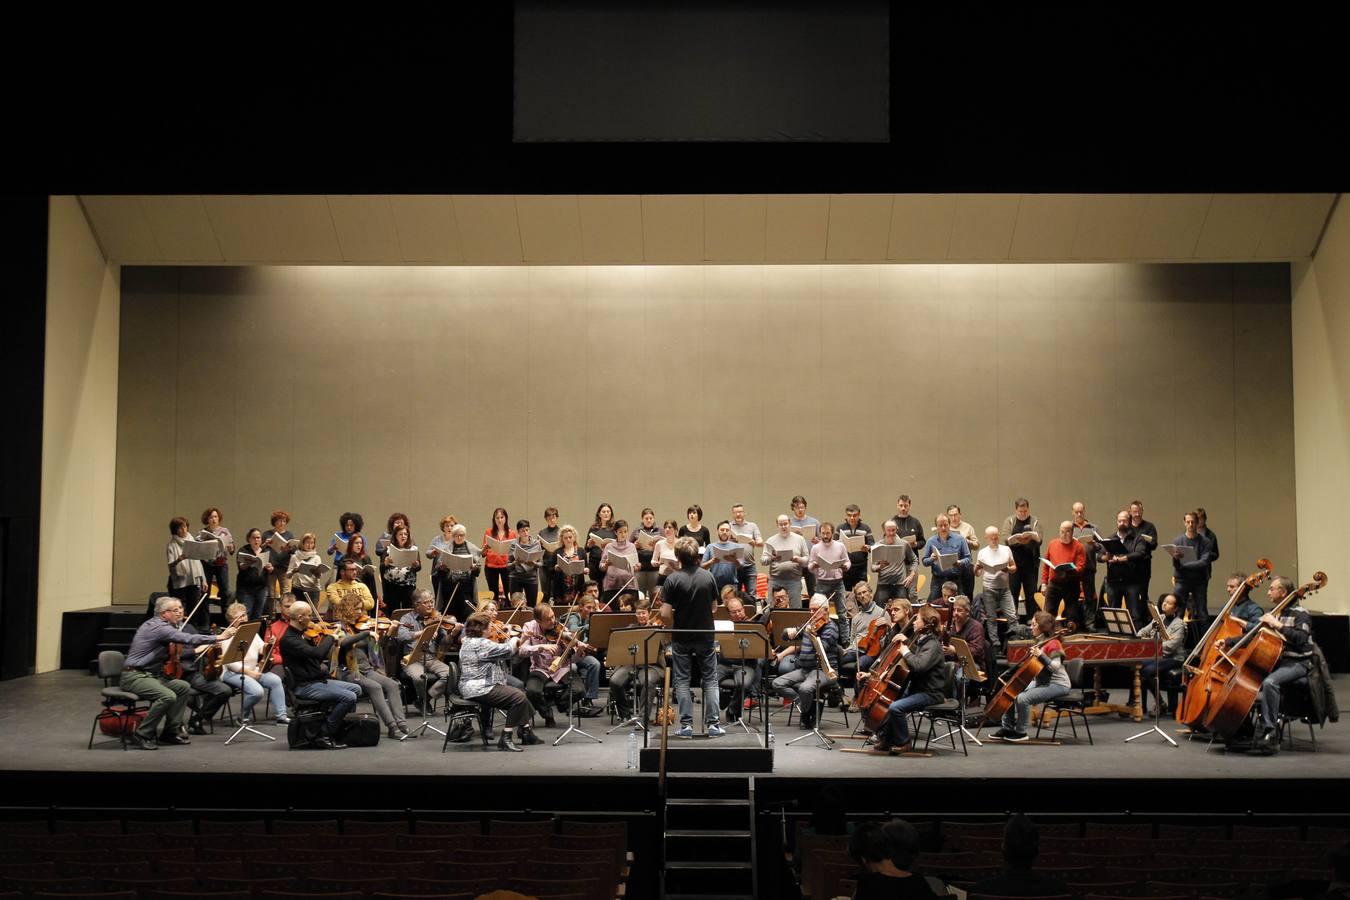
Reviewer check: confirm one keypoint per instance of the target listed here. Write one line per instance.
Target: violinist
(865, 614)
(358, 667)
(802, 679)
(542, 640)
(144, 673)
(482, 679)
(211, 694)
(348, 584)
(1295, 626)
(427, 661)
(306, 658)
(247, 675)
(736, 678)
(648, 677)
(1051, 682)
(588, 666)
(923, 656)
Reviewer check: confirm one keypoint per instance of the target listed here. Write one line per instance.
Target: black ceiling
(1011, 98)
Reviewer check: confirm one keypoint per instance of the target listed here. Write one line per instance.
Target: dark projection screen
(695, 71)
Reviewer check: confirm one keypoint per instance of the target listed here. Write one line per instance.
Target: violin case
(360, 731)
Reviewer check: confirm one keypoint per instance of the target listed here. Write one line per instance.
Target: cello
(1019, 679)
(1195, 683)
(885, 682)
(1235, 678)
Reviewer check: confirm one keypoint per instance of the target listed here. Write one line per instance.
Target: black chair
(459, 708)
(950, 712)
(119, 705)
(1074, 703)
(1295, 706)
(306, 715)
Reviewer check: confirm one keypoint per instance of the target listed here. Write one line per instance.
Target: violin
(173, 666)
(318, 630)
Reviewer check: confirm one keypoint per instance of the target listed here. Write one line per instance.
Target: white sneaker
(686, 731)
(715, 730)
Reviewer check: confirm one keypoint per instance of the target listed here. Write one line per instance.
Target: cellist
(924, 658)
(1295, 626)
(1051, 682)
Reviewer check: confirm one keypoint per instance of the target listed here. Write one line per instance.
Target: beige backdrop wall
(79, 426)
(435, 390)
(1321, 334)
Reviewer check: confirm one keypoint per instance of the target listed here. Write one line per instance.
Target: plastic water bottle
(770, 738)
(632, 749)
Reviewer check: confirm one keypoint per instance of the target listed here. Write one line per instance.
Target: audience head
(877, 842)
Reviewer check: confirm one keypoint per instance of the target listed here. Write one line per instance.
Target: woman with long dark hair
(399, 581)
(498, 565)
(602, 530)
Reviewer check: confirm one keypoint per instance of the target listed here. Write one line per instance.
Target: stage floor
(45, 720)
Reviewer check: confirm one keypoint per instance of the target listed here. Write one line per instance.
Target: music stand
(1157, 680)
(235, 652)
(972, 672)
(734, 645)
(1118, 621)
(624, 644)
(573, 714)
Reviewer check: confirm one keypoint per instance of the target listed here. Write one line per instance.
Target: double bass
(1235, 678)
(1195, 681)
(1019, 679)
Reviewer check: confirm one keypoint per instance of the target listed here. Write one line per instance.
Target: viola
(1019, 679)
(1196, 682)
(173, 666)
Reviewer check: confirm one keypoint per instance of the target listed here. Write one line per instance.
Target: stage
(45, 721)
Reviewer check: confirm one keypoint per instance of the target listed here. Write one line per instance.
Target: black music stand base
(826, 742)
(573, 717)
(1157, 701)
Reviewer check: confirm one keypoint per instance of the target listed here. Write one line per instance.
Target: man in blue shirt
(945, 541)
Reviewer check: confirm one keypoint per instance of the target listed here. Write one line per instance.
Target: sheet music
(341, 543)
(621, 561)
(456, 563)
(888, 554)
(945, 562)
(826, 566)
(520, 554)
(1187, 553)
(400, 556)
(854, 543)
(729, 555)
(206, 551)
(499, 547)
(783, 553)
(571, 566)
(550, 546)
(318, 570)
(280, 544)
(645, 540)
(806, 531)
(598, 541)
(249, 561)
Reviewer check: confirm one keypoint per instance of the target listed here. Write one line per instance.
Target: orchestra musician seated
(248, 676)
(1051, 682)
(427, 660)
(924, 686)
(542, 640)
(482, 678)
(357, 665)
(964, 626)
(625, 694)
(306, 659)
(736, 679)
(590, 665)
(898, 614)
(1173, 650)
(803, 679)
(865, 614)
(1295, 627)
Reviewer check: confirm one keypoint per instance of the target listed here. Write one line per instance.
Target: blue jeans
(342, 694)
(746, 576)
(253, 691)
(253, 598)
(940, 578)
(834, 593)
(895, 730)
(589, 668)
(1018, 716)
(793, 586)
(682, 657)
(1285, 673)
